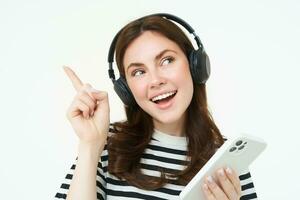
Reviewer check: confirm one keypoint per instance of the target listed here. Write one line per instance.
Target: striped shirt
(163, 151)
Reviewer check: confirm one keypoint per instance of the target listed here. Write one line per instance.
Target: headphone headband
(166, 15)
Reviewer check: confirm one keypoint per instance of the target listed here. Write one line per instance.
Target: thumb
(102, 100)
(99, 95)
(101, 113)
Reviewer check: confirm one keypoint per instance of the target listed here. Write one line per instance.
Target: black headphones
(198, 61)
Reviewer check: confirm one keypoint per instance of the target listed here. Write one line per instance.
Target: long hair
(132, 136)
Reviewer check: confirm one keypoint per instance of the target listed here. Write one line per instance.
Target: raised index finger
(73, 77)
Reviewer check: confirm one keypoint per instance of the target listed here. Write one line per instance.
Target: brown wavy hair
(132, 136)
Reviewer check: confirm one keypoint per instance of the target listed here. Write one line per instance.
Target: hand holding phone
(236, 153)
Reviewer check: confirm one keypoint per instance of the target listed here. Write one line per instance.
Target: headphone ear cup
(199, 66)
(123, 91)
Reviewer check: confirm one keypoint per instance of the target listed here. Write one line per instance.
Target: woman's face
(157, 72)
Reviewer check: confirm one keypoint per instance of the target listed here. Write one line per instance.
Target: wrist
(90, 149)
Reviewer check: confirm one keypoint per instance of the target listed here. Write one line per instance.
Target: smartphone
(237, 152)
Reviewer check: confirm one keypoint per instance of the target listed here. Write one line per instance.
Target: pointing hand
(88, 112)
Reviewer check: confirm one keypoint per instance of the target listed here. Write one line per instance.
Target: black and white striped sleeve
(101, 175)
(247, 186)
(64, 188)
(100, 180)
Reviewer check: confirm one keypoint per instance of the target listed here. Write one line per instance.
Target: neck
(175, 128)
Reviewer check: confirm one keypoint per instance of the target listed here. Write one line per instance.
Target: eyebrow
(157, 57)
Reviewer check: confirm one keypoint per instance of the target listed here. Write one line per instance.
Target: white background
(253, 88)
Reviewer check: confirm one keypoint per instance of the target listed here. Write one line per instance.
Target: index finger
(73, 77)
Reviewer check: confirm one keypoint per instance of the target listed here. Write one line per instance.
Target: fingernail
(65, 67)
(209, 179)
(228, 170)
(221, 172)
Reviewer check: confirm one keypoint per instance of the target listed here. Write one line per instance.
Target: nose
(157, 79)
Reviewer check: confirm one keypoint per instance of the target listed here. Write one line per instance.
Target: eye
(167, 60)
(137, 72)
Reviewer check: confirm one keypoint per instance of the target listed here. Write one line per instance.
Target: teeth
(162, 96)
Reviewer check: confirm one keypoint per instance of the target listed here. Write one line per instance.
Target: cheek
(183, 75)
(138, 89)
(184, 81)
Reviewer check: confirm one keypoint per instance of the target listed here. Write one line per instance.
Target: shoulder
(104, 154)
(112, 130)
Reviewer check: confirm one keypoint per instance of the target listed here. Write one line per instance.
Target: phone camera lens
(238, 143)
(232, 149)
(241, 147)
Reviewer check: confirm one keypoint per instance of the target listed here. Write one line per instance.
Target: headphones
(198, 62)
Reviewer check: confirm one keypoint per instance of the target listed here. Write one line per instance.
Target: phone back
(237, 153)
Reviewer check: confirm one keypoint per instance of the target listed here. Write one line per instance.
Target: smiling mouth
(164, 100)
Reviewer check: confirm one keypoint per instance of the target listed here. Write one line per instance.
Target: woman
(169, 133)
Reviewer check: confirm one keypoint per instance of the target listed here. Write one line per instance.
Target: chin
(168, 118)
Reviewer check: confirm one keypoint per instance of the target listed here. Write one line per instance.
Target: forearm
(83, 184)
